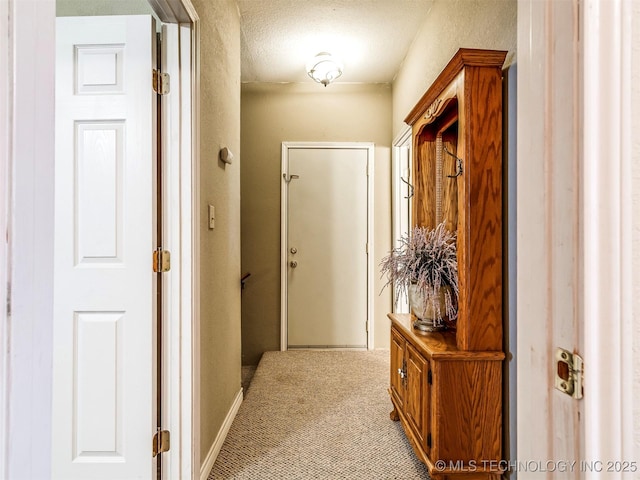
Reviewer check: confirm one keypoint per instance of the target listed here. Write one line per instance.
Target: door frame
(402, 141)
(548, 216)
(603, 423)
(607, 230)
(5, 254)
(180, 139)
(284, 228)
(27, 106)
(26, 212)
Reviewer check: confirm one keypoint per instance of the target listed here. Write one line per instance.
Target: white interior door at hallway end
(104, 393)
(327, 247)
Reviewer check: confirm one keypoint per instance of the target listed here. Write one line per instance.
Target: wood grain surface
(448, 396)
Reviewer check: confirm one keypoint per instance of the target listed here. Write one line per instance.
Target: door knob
(293, 264)
(293, 250)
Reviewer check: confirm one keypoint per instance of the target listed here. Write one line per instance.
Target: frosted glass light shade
(324, 68)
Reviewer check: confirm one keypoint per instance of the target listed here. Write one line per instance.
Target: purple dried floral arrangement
(428, 259)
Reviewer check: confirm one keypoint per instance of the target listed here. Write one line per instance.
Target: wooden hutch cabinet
(446, 388)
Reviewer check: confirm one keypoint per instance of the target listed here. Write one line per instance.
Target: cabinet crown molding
(464, 57)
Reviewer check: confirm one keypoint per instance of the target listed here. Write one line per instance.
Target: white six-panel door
(104, 292)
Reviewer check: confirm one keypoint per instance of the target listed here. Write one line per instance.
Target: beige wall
(272, 114)
(73, 8)
(220, 187)
(450, 25)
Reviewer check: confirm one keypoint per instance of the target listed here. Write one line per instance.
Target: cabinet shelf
(440, 345)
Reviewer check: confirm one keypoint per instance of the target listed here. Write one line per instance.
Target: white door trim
(284, 229)
(549, 270)
(172, 241)
(191, 306)
(5, 195)
(603, 249)
(181, 199)
(607, 231)
(402, 140)
(29, 161)
(27, 106)
(190, 188)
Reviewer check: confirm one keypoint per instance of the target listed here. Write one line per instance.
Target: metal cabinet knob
(293, 264)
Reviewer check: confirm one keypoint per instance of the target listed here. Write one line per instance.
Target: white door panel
(327, 228)
(548, 233)
(104, 293)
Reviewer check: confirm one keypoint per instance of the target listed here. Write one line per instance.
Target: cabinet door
(417, 394)
(467, 396)
(398, 371)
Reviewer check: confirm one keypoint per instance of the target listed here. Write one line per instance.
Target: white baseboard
(222, 434)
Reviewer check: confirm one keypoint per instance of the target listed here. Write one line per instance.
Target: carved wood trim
(464, 57)
(439, 105)
(432, 111)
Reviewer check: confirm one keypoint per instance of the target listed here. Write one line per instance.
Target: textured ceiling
(370, 36)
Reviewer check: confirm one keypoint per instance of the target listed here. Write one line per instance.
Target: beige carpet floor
(318, 415)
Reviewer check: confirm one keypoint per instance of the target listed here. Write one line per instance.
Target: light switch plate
(212, 217)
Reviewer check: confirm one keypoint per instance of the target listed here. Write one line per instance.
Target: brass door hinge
(161, 442)
(160, 82)
(569, 371)
(161, 260)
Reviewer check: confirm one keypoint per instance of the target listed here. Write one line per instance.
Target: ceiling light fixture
(324, 68)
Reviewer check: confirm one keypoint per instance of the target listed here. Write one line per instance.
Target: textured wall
(73, 8)
(450, 25)
(272, 114)
(220, 187)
